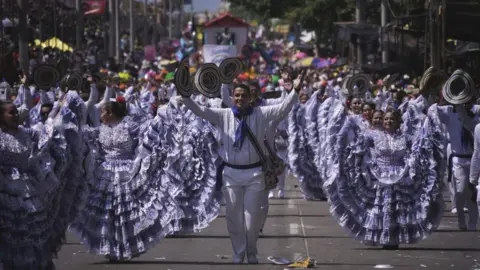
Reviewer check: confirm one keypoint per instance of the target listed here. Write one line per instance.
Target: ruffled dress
(30, 189)
(192, 156)
(386, 189)
(129, 207)
(301, 155)
(74, 189)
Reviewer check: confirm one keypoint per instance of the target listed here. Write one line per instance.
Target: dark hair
(47, 105)
(372, 105)
(396, 113)
(378, 111)
(254, 84)
(350, 98)
(400, 95)
(119, 109)
(242, 86)
(287, 69)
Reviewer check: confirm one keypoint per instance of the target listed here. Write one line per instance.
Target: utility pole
(180, 20)
(432, 10)
(155, 22)
(2, 39)
(170, 29)
(79, 26)
(132, 33)
(117, 30)
(359, 18)
(111, 42)
(383, 14)
(54, 18)
(147, 24)
(23, 34)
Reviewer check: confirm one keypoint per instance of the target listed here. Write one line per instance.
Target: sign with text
(217, 53)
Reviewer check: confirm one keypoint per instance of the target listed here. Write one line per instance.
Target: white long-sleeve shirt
(224, 120)
(475, 165)
(453, 121)
(272, 126)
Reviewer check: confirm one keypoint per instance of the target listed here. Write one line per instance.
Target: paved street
(294, 228)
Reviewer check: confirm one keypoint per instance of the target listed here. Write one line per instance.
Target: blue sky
(202, 5)
(198, 5)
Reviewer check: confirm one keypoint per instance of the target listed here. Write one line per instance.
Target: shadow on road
(426, 249)
(165, 262)
(290, 215)
(264, 236)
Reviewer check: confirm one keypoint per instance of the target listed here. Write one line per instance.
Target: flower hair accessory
(120, 99)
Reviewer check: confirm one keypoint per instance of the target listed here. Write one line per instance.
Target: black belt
(221, 166)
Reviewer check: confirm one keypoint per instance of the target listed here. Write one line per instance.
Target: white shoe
(252, 259)
(281, 194)
(454, 211)
(271, 195)
(237, 259)
(465, 210)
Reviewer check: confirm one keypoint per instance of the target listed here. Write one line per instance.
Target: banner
(150, 52)
(217, 53)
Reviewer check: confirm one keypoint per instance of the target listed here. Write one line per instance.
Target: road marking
(293, 228)
(304, 234)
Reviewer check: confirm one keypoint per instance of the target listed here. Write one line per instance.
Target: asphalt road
(294, 228)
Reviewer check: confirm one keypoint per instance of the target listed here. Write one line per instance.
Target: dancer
(385, 187)
(127, 210)
(31, 159)
(244, 185)
(460, 121)
(301, 155)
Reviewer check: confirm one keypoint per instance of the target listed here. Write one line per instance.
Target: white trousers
(265, 201)
(243, 201)
(451, 187)
(281, 178)
(463, 194)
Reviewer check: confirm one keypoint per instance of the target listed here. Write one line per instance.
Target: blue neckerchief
(396, 105)
(241, 131)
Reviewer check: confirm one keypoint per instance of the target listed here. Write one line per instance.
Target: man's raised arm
(211, 115)
(276, 111)
(225, 94)
(279, 110)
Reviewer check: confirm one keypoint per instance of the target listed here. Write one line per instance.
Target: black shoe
(390, 247)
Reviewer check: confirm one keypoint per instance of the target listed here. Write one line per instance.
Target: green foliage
(319, 15)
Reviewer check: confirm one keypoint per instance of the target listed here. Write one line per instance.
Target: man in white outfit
(460, 122)
(270, 135)
(475, 164)
(243, 180)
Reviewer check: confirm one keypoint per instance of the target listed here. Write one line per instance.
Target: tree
(265, 8)
(320, 15)
(312, 15)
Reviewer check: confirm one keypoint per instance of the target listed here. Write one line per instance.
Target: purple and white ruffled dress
(386, 189)
(301, 155)
(130, 206)
(192, 156)
(31, 187)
